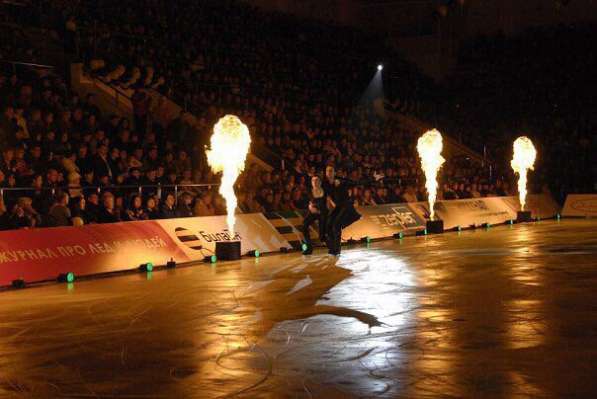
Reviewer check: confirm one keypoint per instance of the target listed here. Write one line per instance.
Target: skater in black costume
(317, 212)
(342, 212)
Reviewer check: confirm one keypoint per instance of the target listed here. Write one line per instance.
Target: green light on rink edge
(149, 266)
(70, 277)
(304, 247)
(213, 259)
(257, 253)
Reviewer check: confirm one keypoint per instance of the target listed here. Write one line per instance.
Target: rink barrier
(35, 255)
(42, 254)
(390, 220)
(289, 225)
(580, 205)
(477, 212)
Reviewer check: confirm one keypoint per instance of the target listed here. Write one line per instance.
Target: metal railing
(176, 189)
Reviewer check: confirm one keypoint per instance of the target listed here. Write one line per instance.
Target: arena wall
(42, 254)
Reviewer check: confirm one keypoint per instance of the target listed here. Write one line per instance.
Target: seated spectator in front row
(59, 214)
(23, 215)
(18, 219)
(204, 206)
(78, 210)
(167, 210)
(449, 194)
(92, 207)
(135, 211)
(183, 209)
(108, 212)
(3, 215)
(151, 209)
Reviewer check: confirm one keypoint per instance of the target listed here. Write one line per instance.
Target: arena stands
(295, 82)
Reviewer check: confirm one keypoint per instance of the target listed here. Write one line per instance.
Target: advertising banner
(467, 212)
(379, 221)
(580, 205)
(492, 210)
(289, 224)
(43, 254)
(197, 236)
(541, 205)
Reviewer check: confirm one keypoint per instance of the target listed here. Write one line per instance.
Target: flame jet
(523, 160)
(229, 144)
(430, 147)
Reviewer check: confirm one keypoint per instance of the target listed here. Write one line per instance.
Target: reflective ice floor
(508, 312)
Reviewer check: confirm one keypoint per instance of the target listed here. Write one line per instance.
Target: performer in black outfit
(343, 213)
(317, 211)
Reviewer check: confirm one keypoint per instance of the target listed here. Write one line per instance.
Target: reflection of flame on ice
(430, 148)
(522, 161)
(229, 144)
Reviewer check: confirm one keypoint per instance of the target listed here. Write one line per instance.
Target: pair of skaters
(331, 206)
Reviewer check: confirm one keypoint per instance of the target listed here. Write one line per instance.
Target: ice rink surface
(505, 312)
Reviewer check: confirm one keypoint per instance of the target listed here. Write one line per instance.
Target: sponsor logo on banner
(379, 221)
(580, 205)
(588, 206)
(399, 216)
(195, 240)
(197, 236)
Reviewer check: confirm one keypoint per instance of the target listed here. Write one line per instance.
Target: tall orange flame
(523, 160)
(229, 144)
(430, 147)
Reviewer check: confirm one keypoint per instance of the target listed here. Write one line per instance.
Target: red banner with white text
(42, 254)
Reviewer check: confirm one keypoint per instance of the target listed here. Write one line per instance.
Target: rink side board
(381, 221)
(42, 254)
(492, 210)
(580, 205)
(197, 236)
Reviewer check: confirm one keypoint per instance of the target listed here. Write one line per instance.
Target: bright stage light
(379, 67)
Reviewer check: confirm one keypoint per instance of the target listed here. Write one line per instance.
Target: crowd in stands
(294, 82)
(63, 162)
